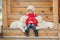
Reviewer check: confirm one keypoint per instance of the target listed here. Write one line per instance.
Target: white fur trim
(45, 25)
(14, 24)
(23, 18)
(17, 24)
(39, 19)
(22, 22)
(30, 7)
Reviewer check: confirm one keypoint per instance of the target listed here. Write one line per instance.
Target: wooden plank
(25, 13)
(14, 33)
(8, 6)
(55, 13)
(45, 17)
(30, 38)
(32, 0)
(4, 13)
(31, 33)
(14, 16)
(48, 33)
(35, 4)
(37, 10)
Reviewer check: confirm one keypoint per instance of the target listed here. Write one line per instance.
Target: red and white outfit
(31, 19)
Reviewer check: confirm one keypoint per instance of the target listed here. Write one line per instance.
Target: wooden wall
(18, 8)
(14, 9)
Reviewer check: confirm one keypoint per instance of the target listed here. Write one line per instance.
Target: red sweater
(31, 19)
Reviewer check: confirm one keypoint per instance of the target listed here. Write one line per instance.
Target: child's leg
(27, 30)
(35, 30)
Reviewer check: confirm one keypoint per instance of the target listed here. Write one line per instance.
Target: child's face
(30, 11)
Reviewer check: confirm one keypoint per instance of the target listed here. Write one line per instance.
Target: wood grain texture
(35, 4)
(18, 32)
(37, 10)
(55, 13)
(4, 13)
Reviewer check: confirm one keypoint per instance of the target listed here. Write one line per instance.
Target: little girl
(31, 21)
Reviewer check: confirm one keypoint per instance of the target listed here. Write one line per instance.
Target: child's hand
(30, 22)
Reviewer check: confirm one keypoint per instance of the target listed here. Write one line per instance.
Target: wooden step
(18, 32)
(32, 38)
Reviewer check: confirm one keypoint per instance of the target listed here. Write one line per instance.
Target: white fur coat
(22, 25)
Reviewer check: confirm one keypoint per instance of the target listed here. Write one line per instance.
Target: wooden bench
(18, 32)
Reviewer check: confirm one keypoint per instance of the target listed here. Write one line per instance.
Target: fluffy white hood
(30, 7)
